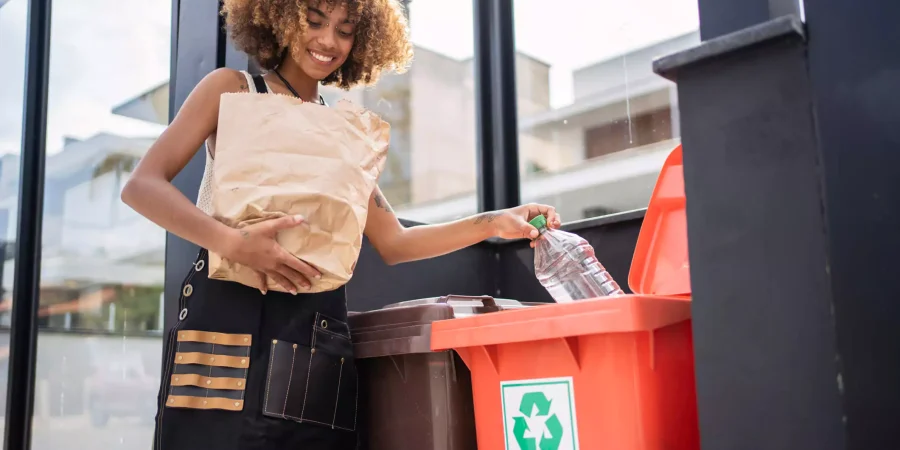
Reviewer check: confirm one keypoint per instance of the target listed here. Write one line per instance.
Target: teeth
(321, 57)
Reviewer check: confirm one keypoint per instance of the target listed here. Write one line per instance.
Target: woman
(248, 369)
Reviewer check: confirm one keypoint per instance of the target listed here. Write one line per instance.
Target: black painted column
(721, 17)
(228, 55)
(764, 336)
(854, 65)
(26, 279)
(496, 117)
(791, 152)
(196, 26)
(199, 46)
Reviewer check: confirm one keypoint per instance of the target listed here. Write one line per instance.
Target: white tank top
(204, 195)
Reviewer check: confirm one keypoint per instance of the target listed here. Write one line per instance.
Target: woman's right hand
(255, 246)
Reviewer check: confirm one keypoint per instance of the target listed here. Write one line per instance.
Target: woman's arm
(398, 244)
(149, 190)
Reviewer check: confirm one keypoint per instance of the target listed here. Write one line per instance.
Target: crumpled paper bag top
(277, 155)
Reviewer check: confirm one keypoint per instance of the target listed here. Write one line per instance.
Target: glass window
(595, 122)
(430, 173)
(100, 316)
(13, 25)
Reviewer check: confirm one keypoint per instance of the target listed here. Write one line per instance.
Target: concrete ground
(77, 433)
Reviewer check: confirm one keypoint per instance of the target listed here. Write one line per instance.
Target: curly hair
(265, 29)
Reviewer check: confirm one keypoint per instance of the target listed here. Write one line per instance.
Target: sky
(105, 52)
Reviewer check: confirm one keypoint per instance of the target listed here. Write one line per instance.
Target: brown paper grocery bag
(277, 155)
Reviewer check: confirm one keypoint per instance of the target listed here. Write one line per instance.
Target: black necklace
(291, 88)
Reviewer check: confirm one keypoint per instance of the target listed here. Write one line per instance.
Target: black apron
(246, 371)
(250, 371)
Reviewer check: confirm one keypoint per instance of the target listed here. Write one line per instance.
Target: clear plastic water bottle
(566, 266)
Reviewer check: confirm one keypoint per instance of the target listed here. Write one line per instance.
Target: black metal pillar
(854, 67)
(484, 116)
(198, 48)
(721, 17)
(227, 54)
(26, 281)
(764, 340)
(496, 111)
(764, 337)
(790, 151)
(195, 28)
(506, 137)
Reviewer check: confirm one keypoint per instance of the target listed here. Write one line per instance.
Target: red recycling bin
(609, 373)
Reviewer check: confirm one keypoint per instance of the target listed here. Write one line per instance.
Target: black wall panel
(197, 53)
(854, 65)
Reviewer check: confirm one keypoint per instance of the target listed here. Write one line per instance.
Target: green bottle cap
(539, 222)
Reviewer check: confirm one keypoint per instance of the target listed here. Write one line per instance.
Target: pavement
(77, 433)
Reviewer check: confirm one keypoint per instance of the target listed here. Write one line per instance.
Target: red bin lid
(660, 265)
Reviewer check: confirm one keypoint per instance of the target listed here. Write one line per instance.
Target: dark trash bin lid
(405, 327)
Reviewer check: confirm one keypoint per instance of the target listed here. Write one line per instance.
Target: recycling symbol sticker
(539, 414)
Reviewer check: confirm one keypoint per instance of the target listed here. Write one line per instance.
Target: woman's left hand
(513, 223)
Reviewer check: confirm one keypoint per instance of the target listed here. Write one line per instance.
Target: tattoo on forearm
(382, 203)
(486, 217)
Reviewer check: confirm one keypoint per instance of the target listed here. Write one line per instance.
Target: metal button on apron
(199, 265)
(183, 314)
(188, 290)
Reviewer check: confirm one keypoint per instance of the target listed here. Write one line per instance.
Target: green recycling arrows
(556, 432)
(539, 414)
(532, 399)
(519, 432)
(536, 404)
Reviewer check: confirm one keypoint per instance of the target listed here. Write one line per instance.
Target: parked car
(121, 389)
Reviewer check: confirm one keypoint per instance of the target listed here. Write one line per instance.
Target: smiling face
(328, 39)
(325, 43)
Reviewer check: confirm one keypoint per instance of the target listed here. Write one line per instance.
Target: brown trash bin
(411, 398)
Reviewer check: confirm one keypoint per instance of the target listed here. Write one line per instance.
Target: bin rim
(620, 314)
(404, 328)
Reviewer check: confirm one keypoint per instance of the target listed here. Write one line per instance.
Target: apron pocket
(314, 383)
(210, 371)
